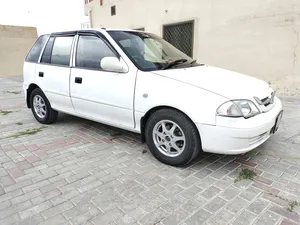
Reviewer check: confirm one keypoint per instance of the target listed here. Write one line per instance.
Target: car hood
(223, 82)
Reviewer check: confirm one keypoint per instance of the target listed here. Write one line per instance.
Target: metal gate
(181, 35)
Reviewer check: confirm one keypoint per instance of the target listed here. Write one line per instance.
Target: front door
(97, 94)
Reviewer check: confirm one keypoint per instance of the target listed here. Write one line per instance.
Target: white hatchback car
(139, 82)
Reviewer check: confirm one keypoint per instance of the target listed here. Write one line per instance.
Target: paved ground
(78, 171)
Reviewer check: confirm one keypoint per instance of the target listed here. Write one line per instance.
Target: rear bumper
(238, 135)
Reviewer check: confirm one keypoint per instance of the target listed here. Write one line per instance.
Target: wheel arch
(147, 115)
(29, 90)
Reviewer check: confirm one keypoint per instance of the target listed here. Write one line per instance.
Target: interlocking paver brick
(3, 172)
(190, 192)
(10, 195)
(258, 206)
(18, 185)
(176, 217)
(35, 186)
(11, 220)
(108, 217)
(6, 181)
(198, 218)
(194, 204)
(245, 218)
(153, 204)
(14, 209)
(35, 210)
(5, 204)
(203, 173)
(64, 197)
(287, 222)
(34, 220)
(53, 186)
(207, 182)
(26, 196)
(61, 177)
(131, 217)
(79, 210)
(188, 182)
(268, 218)
(236, 205)
(222, 217)
(215, 204)
(83, 218)
(153, 191)
(101, 173)
(153, 218)
(286, 214)
(16, 172)
(108, 200)
(210, 192)
(173, 203)
(59, 219)
(44, 176)
(28, 176)
(250, 193)
(230, 193)
(57, 209)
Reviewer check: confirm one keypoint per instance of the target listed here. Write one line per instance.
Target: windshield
(150, 52)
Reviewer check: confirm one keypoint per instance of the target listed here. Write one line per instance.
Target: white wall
(259, 38)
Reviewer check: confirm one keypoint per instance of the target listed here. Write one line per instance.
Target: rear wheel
(172, 137)
(41, 108)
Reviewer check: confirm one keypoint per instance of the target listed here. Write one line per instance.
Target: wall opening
(181, 35)
(113, 10)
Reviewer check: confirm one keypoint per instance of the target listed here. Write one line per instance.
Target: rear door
(53, 72)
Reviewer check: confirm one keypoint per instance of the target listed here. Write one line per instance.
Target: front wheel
(172, 137)
(41, 108)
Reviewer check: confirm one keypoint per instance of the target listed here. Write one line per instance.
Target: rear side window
(90, 51)
(35, 51)
(61, 51)
(46, 58)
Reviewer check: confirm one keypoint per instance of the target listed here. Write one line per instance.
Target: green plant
(26, 132)
(14, 92)
(19, 123)
(245, 174)
(3, 112)
(292, 205)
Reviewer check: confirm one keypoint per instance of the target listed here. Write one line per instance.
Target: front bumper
(238, 135)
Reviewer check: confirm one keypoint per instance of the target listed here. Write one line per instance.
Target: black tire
(192, 137)
(51, 114)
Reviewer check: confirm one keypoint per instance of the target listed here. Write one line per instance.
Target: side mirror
(113, 64)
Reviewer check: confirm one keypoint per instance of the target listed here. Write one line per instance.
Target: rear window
(35, 51)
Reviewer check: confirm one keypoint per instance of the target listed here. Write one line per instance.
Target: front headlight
(238, 108)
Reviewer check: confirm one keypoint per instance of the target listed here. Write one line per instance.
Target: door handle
(78, 80)
(41, 74)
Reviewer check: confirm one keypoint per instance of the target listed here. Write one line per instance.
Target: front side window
(61, 51)
(150, 52)
(90, 51)
(35, 51)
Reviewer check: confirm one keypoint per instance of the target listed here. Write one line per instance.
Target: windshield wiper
(174, 63)
(194, 61)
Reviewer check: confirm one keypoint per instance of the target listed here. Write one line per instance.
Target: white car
(139, 82)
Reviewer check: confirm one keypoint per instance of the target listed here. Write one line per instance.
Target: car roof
(69, 32)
